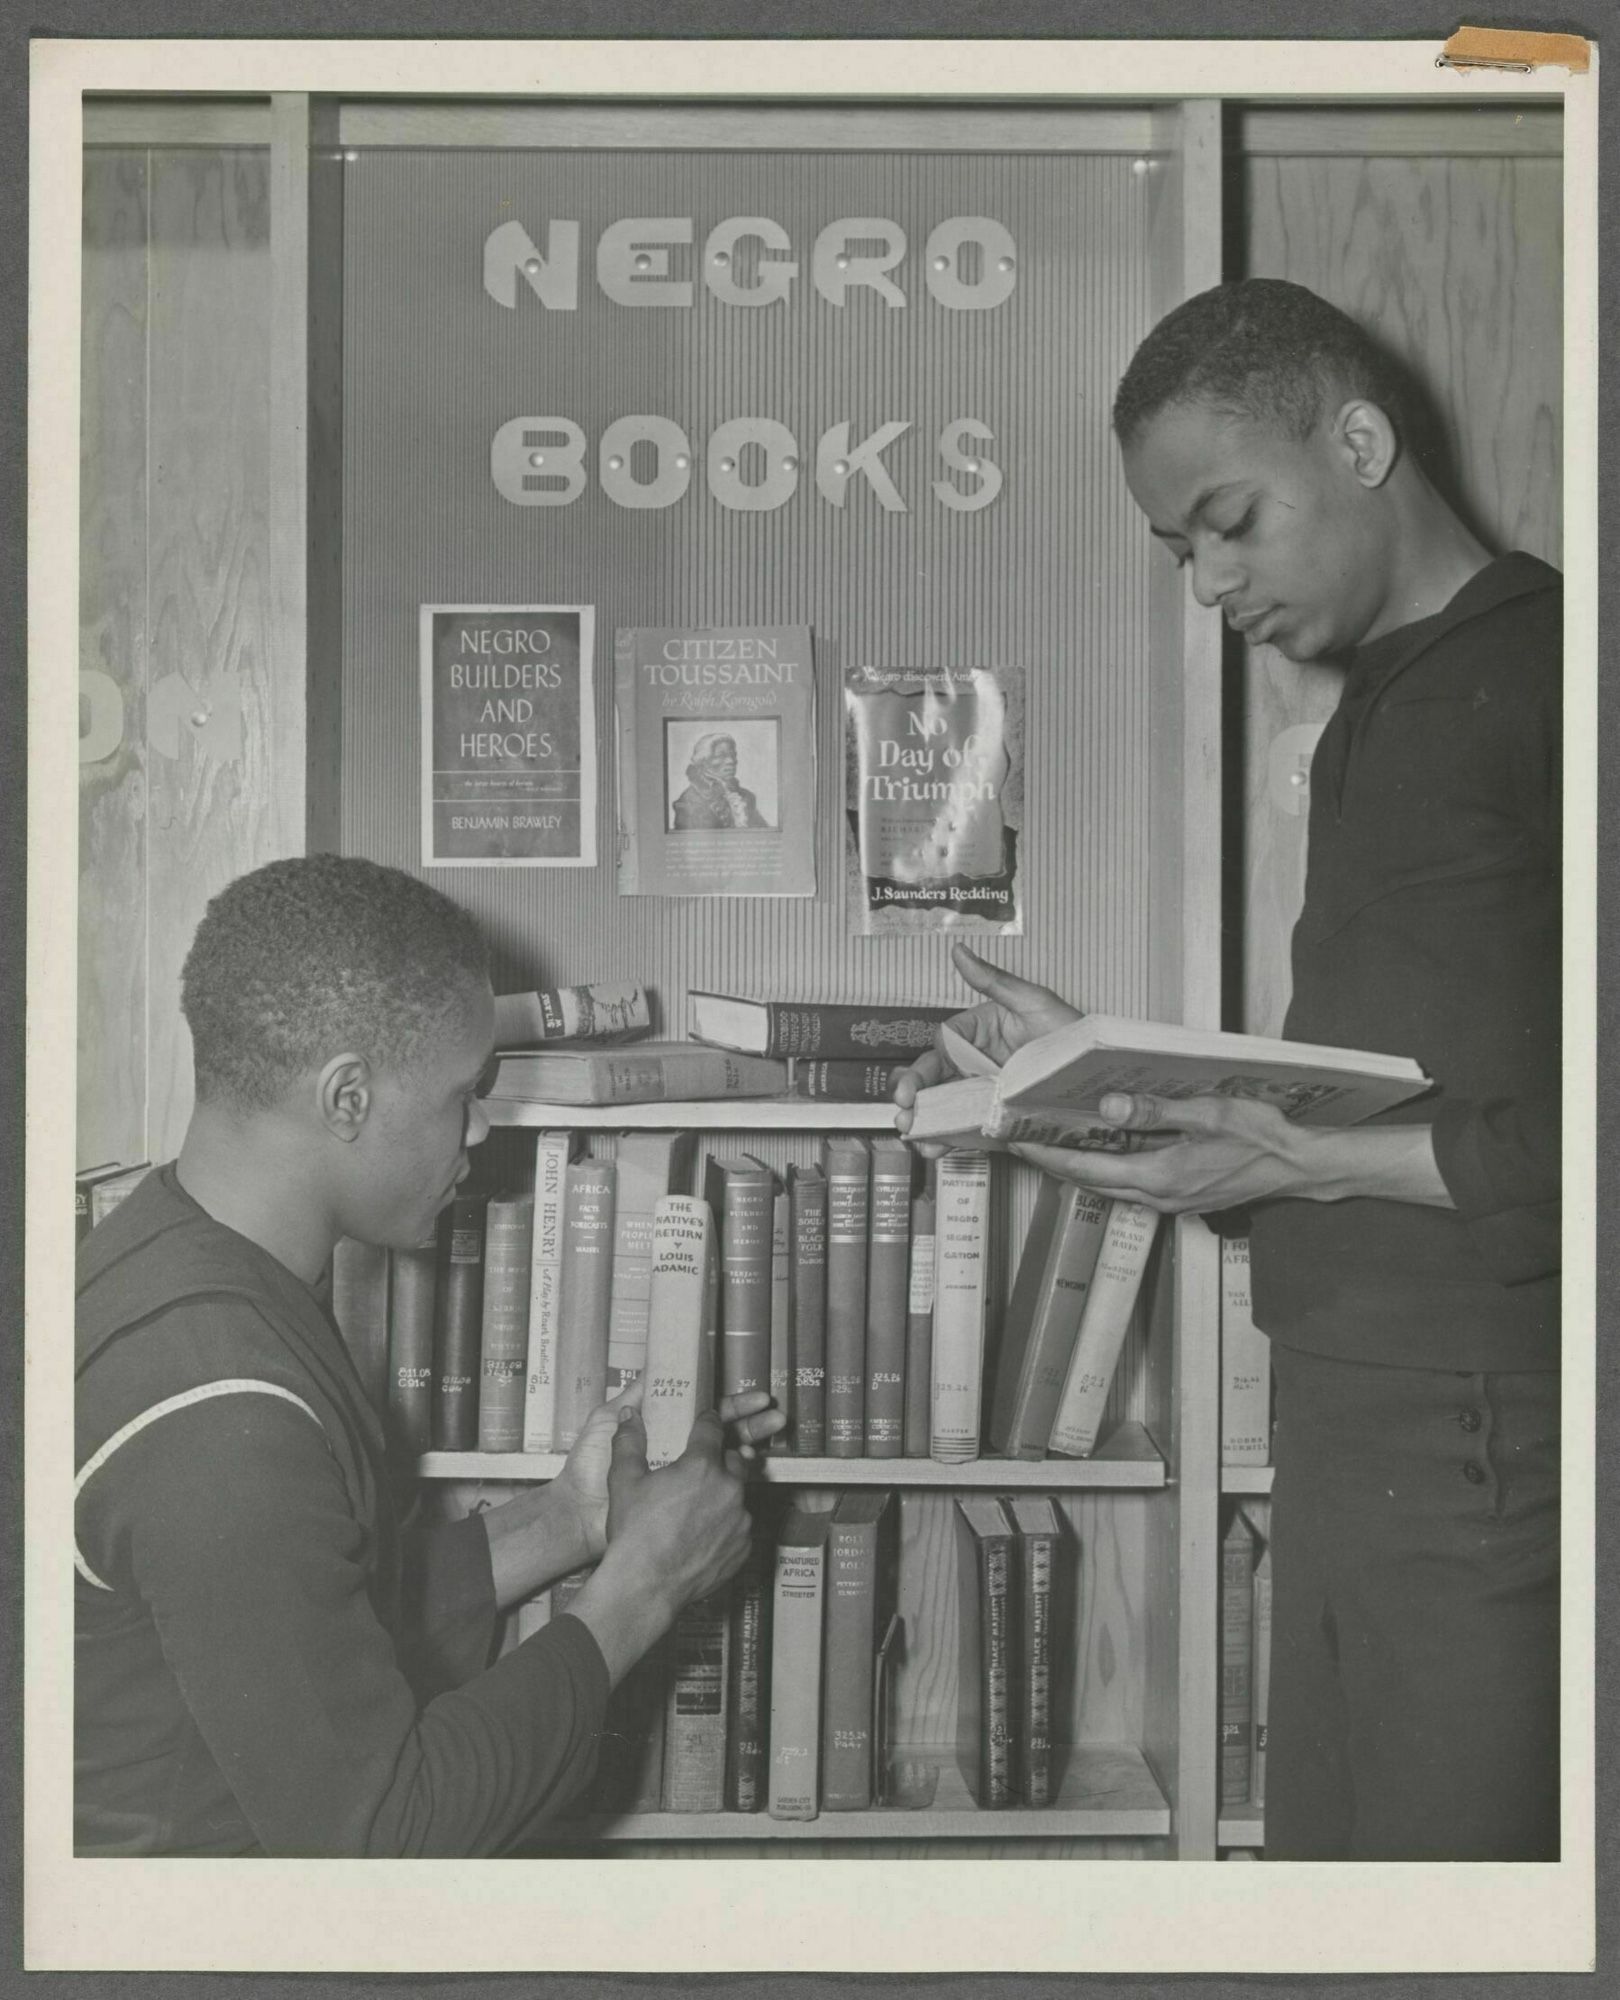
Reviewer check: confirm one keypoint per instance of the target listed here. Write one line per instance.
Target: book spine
(807, 1303)
(920, 1327)
(846, 1707)
(586, 1283)
(552, 1153)
(504, 1348)
(648, 1166)
(410, 1346)
(673, 1076)
(1262, 1678)
(682, 1246)
(796, 1681)
(850, 1032)
(747, 1748)
(840, 1082)
(1237, 1662)
(597, 1013)
(962, 1216)
(848, 1168)
(695, 1719)
(1056, 1307)
(1245, 1364)
(888, 1258)
(1035, 1671)
(986, 1695)
(781, 1379)
(1121, 1262)
(360, 1307)
(458, 1322)
(746, 1280)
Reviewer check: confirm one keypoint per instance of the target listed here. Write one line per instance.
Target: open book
(1049, 1091)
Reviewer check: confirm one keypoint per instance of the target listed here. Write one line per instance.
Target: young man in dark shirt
(1406, 1270)
(271, 1655)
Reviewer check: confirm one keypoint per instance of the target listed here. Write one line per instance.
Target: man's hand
(673, 1536)
(1015, 1011)
(1222, 1152)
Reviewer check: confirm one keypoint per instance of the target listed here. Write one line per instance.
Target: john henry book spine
(695, 1719)
(807, 1301)
(962, 1223)
(1043, 1319)
(986, 1608)
(747, 1741)
(504, 1348)
(860, 1601)
(1121, 1262)
(847, 1165)
(587, 1277)
(796, 1630)
(648, 1165)
(682, 1249)
(1245, 1364)
(887, 1270)
(458, 1317)
(1237, 1660)
(745, 1275)
(841, 1082)
(360, 1307)
(552, 1153)
(782, 1312)
(1262, 1678)
(920, 1321)
(412, 1280)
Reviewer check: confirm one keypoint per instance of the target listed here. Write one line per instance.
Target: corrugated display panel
(1053, 574)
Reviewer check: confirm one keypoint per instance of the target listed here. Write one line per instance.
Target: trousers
(1415, 1640)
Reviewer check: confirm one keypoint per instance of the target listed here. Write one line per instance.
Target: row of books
(853, 1291)
(1245, 1685)
(1246, 1411)
(777, 1694)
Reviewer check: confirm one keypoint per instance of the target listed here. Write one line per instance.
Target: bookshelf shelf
(1107, 1791)
(722, 1114)
(1240, 1829)
(1246, 1478)
(1127, 1458)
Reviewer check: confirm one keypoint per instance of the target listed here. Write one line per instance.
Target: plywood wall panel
(111, 1112)
(1457, 263)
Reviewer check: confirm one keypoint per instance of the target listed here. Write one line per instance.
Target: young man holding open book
(1407, 1270)
(270, 1656)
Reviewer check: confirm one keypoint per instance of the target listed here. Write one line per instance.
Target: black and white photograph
(599, 1457)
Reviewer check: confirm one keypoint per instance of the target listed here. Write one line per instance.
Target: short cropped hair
(319, 956)
(1260, 348)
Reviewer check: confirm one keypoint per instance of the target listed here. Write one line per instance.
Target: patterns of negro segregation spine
(1121, 1262)
(961, 1231)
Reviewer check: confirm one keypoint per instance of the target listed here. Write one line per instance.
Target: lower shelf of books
(1246, 1478)
(1242, 1827)
(1127, 1457)
(1106, 1789)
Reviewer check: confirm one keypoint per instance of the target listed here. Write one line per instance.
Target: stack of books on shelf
(1245, 1635)
(852, 1290)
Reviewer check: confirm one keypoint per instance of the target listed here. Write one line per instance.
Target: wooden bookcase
(287, 404)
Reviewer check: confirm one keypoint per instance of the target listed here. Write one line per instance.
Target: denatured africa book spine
(504, 1346)
(920, 1322)
(412, 1282)
(962, 1219)
(458, 1317)
(887, 1271)
(360, 1307)
(847, 1164)
(807, 1307)
(1115, 1283)
(587, 1275)
(552, 1153)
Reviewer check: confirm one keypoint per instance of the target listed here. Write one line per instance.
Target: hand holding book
(1014, 1011)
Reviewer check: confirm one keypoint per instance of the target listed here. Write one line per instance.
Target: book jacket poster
(716, 761)
(934, 769)
(508, 736)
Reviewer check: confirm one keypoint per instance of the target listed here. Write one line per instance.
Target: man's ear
(344, 1096)
(1368, 440)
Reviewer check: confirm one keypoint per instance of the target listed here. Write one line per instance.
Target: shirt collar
(1374, 665)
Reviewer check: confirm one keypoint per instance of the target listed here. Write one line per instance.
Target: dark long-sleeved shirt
(270, 1655)
(1431, 928)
